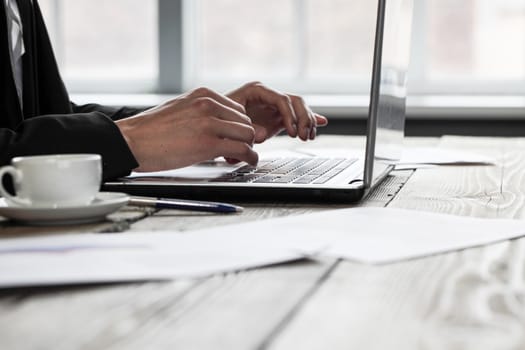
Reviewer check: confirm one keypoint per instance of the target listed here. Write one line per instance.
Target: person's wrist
(126, 131)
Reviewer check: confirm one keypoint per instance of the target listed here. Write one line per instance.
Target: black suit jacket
(48, 122)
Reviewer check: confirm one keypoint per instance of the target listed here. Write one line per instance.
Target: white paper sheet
(211, 169)
(381, 235)
(413, 157)
(407, 166)
(434, 155)
(93, 258)
(371, 235)
(208, 170)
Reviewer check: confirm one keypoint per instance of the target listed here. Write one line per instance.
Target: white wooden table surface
(470, 299)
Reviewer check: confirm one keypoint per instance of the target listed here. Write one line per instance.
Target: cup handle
(17, 178)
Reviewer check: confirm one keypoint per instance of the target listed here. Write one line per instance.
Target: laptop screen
(386, 122)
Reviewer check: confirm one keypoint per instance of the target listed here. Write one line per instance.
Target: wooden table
(470, 299)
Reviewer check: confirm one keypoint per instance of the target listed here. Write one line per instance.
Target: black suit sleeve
(92, 132)
(48, 123)
(111, 112)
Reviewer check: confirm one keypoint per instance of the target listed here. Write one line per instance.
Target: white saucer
(103, 204)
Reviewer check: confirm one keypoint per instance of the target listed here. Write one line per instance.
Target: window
(103, 45)
(470, 46)
(307, 46)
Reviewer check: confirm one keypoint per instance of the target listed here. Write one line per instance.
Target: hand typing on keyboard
(203, 124)
(272, 111)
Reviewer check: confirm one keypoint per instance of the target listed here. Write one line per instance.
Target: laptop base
(232, 193)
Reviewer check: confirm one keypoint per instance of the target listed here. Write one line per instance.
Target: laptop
(311, 179)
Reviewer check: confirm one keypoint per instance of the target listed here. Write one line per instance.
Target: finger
(224, 100)
(281, 101)
(260, 134)
(232, 130)
(211, 107)
(231, 160)
(231, 149)
(321, 120)
(306, 120)
(313, 133)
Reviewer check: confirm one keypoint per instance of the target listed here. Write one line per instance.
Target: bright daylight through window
(307, 46)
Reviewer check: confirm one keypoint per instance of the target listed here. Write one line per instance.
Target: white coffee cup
(53, 181)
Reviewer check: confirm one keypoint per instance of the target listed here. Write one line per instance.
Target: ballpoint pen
(183, 204)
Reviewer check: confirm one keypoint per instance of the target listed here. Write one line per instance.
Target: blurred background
(314, 47)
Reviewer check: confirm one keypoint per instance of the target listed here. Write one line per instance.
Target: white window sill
(344, 106)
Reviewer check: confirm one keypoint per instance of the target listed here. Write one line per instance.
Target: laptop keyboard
(289, 170)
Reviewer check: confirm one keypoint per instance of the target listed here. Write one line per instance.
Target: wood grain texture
(234, 311)
(238, 311)
(82, 318)
(116, 222)
(471, 299)
(365, 307)
(484, 191)
(177, 220)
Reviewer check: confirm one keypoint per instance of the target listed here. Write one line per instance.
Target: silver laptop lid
(386, 119)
